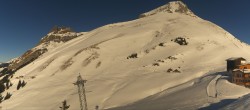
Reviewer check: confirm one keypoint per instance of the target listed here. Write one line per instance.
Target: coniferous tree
(64, 106)
(19, 85)
(23, 83)
(7, 84)
(11, 84)
(1, 98)
(8, 95)
(2, 88)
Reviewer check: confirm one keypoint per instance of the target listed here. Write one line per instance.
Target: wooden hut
(233, 63)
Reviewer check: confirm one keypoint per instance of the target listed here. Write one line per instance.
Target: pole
(82, 93)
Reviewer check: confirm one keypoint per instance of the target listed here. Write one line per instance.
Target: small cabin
(241, 77)
(233, 63)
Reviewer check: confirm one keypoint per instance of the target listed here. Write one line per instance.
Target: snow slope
(240, 104)
(127, 62)
(209, 92)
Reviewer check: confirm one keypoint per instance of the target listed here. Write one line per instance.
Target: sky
(24, 22)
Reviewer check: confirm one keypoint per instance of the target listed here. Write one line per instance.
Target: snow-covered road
(211, 88)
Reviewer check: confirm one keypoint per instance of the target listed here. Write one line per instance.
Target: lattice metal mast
(81, 91)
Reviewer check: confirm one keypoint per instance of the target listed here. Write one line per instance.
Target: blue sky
(24, 22)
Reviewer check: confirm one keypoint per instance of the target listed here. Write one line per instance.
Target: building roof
(235, 58)
(244, 64)
(243, 70)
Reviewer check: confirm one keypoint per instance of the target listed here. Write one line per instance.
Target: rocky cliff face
(55, 37)
(26, 58)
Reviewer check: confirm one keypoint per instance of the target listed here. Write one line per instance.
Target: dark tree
(64, 105)
(1, 98)
(8, 84)
(8, 95)
(2, 88)
(19, 85)
(23, 83)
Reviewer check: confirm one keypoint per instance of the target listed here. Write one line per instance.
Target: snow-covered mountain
(54, 38)
(168, 59)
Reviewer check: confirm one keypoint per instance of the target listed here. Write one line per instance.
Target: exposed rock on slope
(56, 36)
(26, 58)
(59, 34)
(2, 65)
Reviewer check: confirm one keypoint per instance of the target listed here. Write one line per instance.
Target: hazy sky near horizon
(24, 22)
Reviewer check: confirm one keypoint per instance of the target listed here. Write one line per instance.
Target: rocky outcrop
(26, 58)
(171, 7)
(2, 65)
(56, 35)
(59, 34)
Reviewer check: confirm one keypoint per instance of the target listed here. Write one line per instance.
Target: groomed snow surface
(210, 92)
(135, 65)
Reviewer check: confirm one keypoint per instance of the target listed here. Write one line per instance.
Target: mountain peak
(60, 30)
(59, 34)
(171, 7)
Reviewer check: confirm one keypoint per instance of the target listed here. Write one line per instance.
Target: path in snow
(211, 88)
(189, 97)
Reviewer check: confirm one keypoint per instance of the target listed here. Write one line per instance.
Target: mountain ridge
(50, 41)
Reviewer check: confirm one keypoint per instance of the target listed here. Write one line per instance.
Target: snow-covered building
(244, 66)
(239, 71)
(234, 62)
(241, 77)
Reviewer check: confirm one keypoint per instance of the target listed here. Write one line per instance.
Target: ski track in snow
(211, 88)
